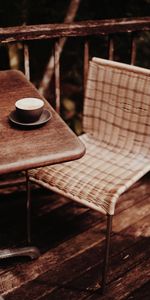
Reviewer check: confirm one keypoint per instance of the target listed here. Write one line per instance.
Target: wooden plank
(71, 213)
(69, 249)
(82, 28)
(87, 266)
(128, 283)
(142, 292)
(76, 246)
(85, 269)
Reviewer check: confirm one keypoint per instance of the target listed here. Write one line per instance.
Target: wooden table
(23, 148)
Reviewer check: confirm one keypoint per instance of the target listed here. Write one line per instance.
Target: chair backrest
(117, 104)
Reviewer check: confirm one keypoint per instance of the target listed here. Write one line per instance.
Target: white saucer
(45, 117)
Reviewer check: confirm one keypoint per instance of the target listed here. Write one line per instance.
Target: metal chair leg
(107, 250)
(33, 252)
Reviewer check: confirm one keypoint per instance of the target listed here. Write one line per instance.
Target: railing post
(26, 62)
(133, 49)
(57, 75)
(86, 62)
(110, 48)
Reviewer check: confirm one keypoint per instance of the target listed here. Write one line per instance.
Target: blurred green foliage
(18, 12)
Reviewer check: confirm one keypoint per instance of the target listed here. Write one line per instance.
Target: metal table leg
(32, 252)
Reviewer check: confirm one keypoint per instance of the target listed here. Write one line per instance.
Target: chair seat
(98, 178)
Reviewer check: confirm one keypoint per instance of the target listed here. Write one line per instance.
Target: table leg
(28, 209)
(32, 252)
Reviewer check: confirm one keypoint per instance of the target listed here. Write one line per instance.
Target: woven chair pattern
(116, 123)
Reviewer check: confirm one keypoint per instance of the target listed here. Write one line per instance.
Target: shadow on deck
(71, 241)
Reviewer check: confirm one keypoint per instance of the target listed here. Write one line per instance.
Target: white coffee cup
(29, 109)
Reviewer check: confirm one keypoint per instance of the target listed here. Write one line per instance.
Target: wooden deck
(71, 240)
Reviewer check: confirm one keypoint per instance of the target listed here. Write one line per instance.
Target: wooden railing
(86, 29)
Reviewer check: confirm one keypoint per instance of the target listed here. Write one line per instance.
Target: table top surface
(25, 148)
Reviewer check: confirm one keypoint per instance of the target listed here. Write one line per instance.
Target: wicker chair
(116, 127)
